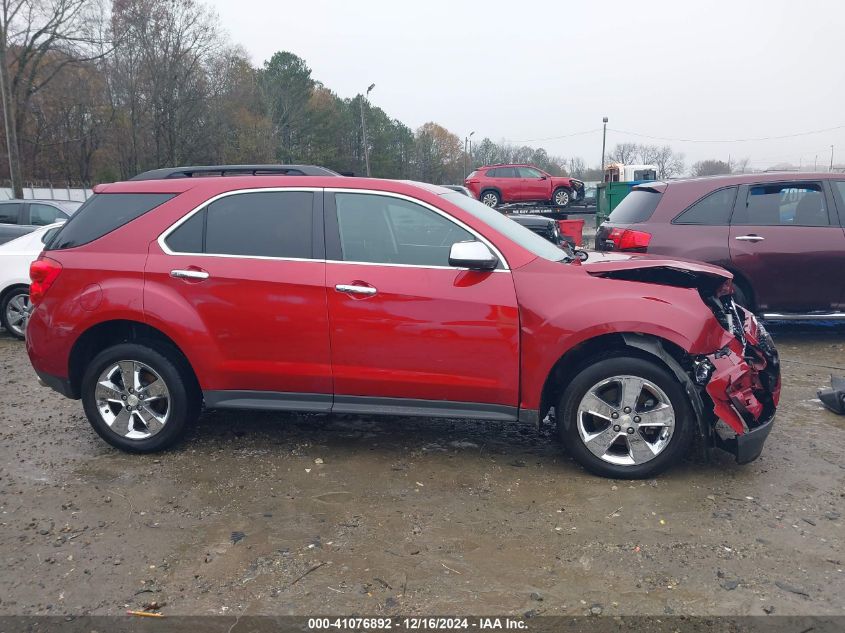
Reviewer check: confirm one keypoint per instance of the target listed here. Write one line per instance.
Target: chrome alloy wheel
(132, 399)
(561, 198)
(626, 420)
(490, 199)
(17, 311)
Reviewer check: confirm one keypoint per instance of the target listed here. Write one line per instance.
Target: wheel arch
(108, 333)
(10, 288)
(668, 354)
(495, 190)
(744, 283)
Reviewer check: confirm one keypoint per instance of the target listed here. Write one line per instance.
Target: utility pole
(816, 163)
(364, 130)
(603, 140)
(831, 158)
(468, 141)
(11, 130)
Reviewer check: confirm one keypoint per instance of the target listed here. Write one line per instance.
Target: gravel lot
(300, 514)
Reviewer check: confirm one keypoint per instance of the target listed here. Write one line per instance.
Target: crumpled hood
(655, 269)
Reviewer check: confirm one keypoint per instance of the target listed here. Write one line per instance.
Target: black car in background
(542, 226)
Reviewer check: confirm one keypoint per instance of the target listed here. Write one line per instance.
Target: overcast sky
(521, 71)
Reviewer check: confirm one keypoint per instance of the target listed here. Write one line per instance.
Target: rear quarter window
(102, 214)
(637, 206)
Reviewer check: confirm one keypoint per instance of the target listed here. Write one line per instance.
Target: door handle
(356, 290)
(750, 238)
(189, 274)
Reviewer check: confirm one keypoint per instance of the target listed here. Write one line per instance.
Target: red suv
(780, 234)
(498, 184)
(324, 294)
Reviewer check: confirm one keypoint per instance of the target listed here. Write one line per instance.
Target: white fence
(48, 193)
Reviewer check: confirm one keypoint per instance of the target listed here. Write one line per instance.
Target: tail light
(43, 272)
(629, 240)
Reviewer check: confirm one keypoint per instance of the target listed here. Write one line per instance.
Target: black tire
(19, 291)
(564, 194)
(490, 198)
(185, 399)
(626, 365)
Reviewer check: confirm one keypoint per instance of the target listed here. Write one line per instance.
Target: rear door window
(9, 212)
(256, 224)
(713, 209)
(637, 206)
(44, 214)
(783, 204)
(102, 213)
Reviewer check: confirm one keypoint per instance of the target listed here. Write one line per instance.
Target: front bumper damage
(743, 382)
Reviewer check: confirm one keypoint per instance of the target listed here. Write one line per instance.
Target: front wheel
(626, 417)
(139, 399)
(561, 197)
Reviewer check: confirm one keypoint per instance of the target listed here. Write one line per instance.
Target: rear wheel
(14, 310)
(626, 417)
(139, 399)
(490, 198)
(561, 197)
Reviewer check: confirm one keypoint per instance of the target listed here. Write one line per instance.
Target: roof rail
(234, 170)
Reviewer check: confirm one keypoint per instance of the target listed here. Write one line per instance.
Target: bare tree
(710, 167)
(669, 163)
(624, 153)
(38, 39)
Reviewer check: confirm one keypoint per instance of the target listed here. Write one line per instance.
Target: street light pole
(603, 140)
(468, 140)
(364, 130)
(831, 158)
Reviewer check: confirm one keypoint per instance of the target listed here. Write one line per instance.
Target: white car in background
(15, 258)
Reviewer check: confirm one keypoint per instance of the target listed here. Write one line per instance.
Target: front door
(535, 186)
(253, 274)
(786, 240)
(409, 332)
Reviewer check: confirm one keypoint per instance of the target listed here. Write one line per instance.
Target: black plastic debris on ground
(834, 398)
(237, 537)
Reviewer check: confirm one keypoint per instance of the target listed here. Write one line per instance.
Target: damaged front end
(741, 379)
(734, 389)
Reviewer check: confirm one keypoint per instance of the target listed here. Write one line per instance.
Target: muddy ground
(281, 513)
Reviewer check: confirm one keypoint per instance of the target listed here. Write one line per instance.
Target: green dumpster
(608, 196)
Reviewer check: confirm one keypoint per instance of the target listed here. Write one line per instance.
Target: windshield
(526, 238)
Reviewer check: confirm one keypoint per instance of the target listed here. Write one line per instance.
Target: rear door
(701, 232)
(785, 238)
(509, 183)
(251, 267)
(407, 329)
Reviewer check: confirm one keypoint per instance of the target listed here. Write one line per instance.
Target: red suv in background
(780, 234)
(166, 293)
(500, 184)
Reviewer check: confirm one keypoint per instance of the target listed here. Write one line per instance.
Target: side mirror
(542, 178)
(472, 255)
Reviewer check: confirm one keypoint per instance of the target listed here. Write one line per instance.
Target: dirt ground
(301, 514)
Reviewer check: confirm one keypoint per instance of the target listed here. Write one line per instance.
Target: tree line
(97, 91)
(100, 90)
